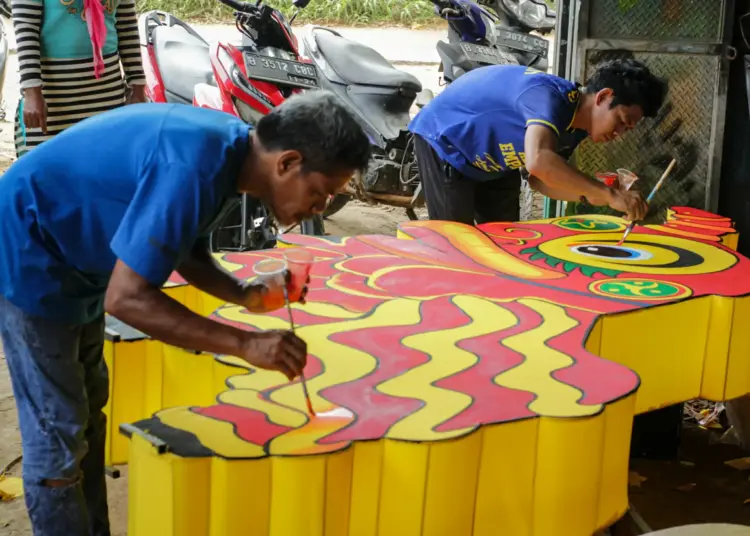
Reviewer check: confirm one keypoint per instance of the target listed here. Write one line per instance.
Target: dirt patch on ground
(698, 488)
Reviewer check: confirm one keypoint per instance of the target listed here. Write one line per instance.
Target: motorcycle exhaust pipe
(400, 201)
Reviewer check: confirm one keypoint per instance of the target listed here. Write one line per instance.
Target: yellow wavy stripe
(327, 310)
(260, 379)
(324, 243)
(446, 359)
(534, 375)
(335, 284)
(478, 247)
(237, 313)
(342, 266)
(233, 267)
(215, 435)
(342, 363)
(372, 280)
(220, 436)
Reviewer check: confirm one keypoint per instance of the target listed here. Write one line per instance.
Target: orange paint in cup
(271, 271)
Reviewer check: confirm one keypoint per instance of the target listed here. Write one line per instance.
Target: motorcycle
(516, 19)
(246, 81)
(380, 96)
(478, 37)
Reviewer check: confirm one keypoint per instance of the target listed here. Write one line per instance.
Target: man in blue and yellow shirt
(473, 139)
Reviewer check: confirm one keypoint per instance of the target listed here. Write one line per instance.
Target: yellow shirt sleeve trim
(543, 122)
(575, 112)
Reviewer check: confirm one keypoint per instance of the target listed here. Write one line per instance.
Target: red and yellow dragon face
(453, 328)
(468, 381)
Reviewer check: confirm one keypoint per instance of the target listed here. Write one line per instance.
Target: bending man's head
(622, 92)
(304, 152)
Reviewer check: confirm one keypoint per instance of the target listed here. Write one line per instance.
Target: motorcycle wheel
(314, 226)
(337, 204)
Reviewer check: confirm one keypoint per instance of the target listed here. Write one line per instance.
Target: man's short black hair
(317, 125)
(632, 84)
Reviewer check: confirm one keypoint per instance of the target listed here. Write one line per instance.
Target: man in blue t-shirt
(98, 218)
(473, 139)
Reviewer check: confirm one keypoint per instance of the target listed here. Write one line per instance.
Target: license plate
(487, 55)
(522, 41)
(280, 71)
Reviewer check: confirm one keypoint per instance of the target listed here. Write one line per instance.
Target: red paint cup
(299, 262)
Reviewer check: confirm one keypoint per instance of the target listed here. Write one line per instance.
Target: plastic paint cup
(627, 178)
(299, 262)
(272, 272)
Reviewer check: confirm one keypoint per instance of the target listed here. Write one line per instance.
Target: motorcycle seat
(359, 64)
(183, 62)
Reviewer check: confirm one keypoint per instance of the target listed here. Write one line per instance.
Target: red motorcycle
(246, 81)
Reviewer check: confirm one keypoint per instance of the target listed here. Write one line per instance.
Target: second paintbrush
(649, 198)
(302, 374)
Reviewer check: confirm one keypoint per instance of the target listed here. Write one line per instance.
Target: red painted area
(696, 213)
(176, 279)
(250, 425)
(377, 412)
(596, 378)
(492, 403)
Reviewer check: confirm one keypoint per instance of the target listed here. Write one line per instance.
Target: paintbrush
(302, 374)
(649, 198)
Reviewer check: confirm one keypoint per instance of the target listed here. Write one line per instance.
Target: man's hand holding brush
(629, 202)
(276, 350)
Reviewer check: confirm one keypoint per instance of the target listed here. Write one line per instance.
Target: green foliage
(348, 12)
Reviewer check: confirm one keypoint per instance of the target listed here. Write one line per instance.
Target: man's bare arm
(132, 299)
(543, 162)
(202, 271)
(560, 195)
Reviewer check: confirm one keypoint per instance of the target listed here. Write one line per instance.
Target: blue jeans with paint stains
(61, 384)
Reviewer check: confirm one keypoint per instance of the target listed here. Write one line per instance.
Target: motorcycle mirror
(299, 4)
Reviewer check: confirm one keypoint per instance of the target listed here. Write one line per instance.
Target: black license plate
(522, 41)
(487, 55)
(280, 71)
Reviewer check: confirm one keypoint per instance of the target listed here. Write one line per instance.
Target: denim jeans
(61, 384)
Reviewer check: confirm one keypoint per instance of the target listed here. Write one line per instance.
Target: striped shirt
(55, 53)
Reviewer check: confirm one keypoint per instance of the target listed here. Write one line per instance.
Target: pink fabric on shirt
(97, 31)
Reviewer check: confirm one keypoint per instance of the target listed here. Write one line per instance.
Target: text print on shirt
(515, 159)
